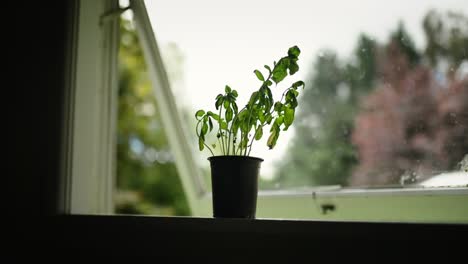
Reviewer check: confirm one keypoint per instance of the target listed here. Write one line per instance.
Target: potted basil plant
(234, 174)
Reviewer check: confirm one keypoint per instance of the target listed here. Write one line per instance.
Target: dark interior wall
(34, 127)
(40, 36)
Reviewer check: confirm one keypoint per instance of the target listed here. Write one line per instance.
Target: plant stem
(230, 130)
(220, 131)
(251, 142)
(229, 142)
(250, 113)
(250, 116)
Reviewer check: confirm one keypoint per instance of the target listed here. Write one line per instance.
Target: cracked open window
(381, 128)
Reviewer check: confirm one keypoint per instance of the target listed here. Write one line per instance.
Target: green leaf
(289, 95)
(267, 105)
(244, 126)
(288, 117)
(228, 114)
(269, 94)
(259, 75)
(234, 107)
(204, 129)
(211, 124)
(235, 126)
(278, 106)
(227, 89)
(253, 98)
(219, 102)
(268, 68)
(201, 143)
(234, 93)
(261, 117)
(298, 84)
(213, 145)
(293, 102)
(270, 100)
(224, 125)
(259, 133)
(272, 139)
(213, 115)
(279, 120)
(294, 52)
(199, 113)
(226, 104)
(291, 98)
(293, 67)
(279, 72)
(269, 119)
(231, 97)
(242, 114)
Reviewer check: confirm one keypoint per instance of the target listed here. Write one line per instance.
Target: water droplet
(321, 54)
(403, 40)
(363, 50)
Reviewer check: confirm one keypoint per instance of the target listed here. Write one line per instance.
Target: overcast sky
(224, 41)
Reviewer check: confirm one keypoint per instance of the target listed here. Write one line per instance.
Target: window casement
(90, 106)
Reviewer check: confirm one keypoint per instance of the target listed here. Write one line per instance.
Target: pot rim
(234, 157)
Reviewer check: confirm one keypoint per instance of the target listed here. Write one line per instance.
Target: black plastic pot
(234, 186)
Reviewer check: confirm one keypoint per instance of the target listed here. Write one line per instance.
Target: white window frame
(89, 142)
(448, 205)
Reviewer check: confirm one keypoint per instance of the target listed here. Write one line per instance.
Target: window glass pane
(386, 96)
(147, 179)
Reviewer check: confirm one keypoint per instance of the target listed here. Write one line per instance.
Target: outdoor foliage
(388, 110)
(414, 124)
(147, 179)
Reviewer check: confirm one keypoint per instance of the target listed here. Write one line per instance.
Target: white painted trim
(91, 166)
(368, 192)
(109, 104)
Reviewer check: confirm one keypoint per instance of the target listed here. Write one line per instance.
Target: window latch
(111, 14)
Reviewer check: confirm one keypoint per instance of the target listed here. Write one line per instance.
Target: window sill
(156, 236)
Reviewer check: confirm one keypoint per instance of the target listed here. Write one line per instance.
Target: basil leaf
(199, 113)
(259, 75)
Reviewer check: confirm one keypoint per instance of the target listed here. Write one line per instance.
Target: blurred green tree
(147, 179)
(322, 151)
(447, 37)
(415, 123)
